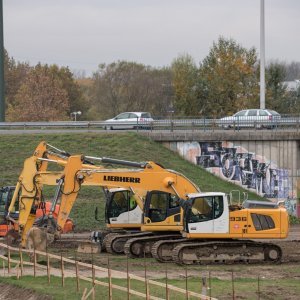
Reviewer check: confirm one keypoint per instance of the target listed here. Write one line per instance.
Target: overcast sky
(83, 33)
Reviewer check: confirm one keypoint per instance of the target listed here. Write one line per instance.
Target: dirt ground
(290, 261)
(10, 292)
(288, 268)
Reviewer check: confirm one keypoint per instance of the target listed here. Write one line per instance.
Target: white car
(129, 120)
(258, 118)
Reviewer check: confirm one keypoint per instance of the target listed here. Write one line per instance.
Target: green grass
(128, 146)
(221, 289)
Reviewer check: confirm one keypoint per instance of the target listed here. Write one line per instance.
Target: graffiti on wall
(237, 164)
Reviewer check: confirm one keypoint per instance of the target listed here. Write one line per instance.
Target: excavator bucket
(37, 240)
(88, 247)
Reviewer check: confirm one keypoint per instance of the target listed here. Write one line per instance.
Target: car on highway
(129, 120)
(258, 118)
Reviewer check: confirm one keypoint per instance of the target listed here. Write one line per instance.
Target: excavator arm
(150, 177)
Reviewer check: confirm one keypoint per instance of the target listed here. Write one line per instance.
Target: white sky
(83, 33)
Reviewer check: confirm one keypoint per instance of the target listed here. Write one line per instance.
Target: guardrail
(163, 124)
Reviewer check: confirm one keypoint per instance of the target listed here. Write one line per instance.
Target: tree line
(225, 81)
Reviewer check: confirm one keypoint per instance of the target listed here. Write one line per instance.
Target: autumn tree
(15, 73)
(228, 80)
(41, 97)
(128, 86)
(185, 81)
(77, 102)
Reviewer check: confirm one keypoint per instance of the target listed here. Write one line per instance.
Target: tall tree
(128, 86)
(276, 93)
(15, 73)
(41, 97)
(228, 76)
(185, 76)
(77, 101)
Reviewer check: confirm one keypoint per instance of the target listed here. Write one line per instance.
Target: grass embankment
(15, 148)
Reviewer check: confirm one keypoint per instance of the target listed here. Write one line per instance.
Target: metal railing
(163, 124)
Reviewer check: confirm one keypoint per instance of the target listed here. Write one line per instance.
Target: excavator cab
(121, 208)
(161, 205)
(207, 213)
(6, 194)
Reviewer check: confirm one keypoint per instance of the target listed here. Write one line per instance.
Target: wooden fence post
(209, 281)
(109, 280)
(146, 281)
(233, 292)
(167, 287)
(204, 286)
(186, 284)
(34, 263)
(128, 281)
(8, 259)
(77, 276)
(93, 279)
(48, 269)
(62, 270)
(21, 260)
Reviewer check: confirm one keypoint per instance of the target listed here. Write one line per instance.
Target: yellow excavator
(211, 229)
(32, 180)
(180, 222)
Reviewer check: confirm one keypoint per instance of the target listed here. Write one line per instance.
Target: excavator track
(141, 246)
(226, 252)
(115, 242)
(162, 250)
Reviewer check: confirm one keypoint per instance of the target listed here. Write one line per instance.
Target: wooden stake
(109, 280)
(77, 276)
(93, 280)
(83, 295)
(48, 269)
(204, 286)
(62, 271)
(34, 263)
(8, 260)
(233, 292)
(258, 287)
(148, 290)
(209, 280)
(128, 281)
(186, 284)
(3, 264)
(21, 261)
(167, 287)
(145, 266)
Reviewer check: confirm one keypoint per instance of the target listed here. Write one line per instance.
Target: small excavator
(8, 228)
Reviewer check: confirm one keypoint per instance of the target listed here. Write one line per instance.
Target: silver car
(129, 120)
(258, 118)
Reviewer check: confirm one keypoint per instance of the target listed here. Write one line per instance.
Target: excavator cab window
(118, 203)
(6, 194)
(205, 209)
(160, 205)
(3, 196)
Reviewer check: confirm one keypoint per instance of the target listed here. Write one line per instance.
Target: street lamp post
(262, 55)
(75, 114)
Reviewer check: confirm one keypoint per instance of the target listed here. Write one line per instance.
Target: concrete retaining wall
(268, 167)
